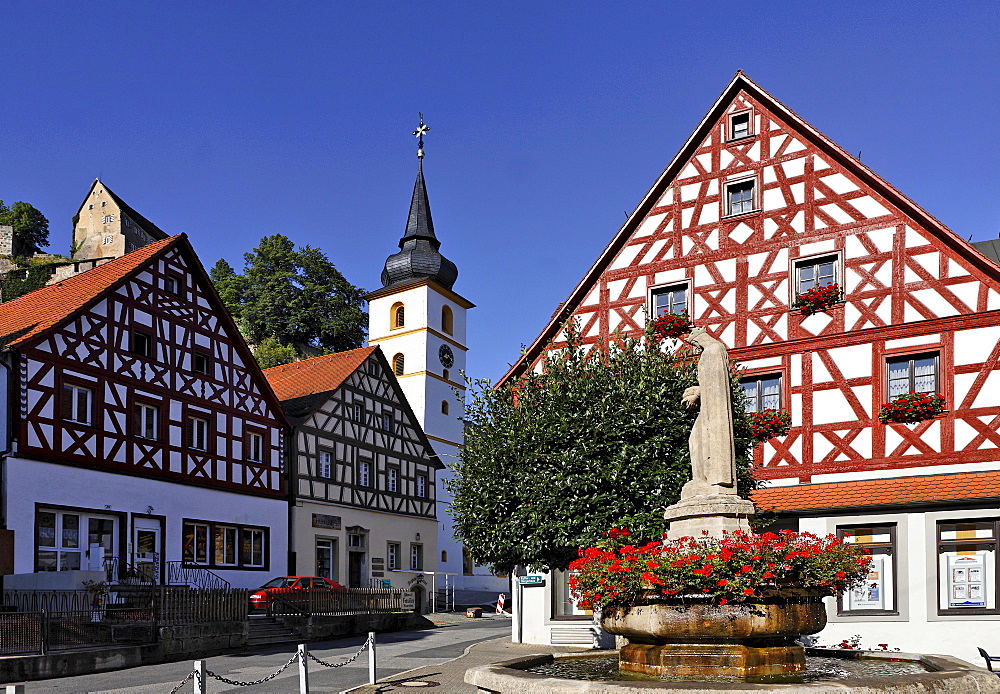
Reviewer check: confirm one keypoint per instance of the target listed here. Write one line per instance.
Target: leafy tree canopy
(31, 228)
(271, 352)
(296, 296)
(598, 439)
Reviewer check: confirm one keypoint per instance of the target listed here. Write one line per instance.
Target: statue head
(699, 338)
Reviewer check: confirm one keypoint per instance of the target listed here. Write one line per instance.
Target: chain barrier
(183, 682)
(350, 660)
(237, 683)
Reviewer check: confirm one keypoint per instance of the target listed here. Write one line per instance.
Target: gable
(896, 263)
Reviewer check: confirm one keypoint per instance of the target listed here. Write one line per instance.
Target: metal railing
(45, 631)
(195, 577)
(337, 601)
(119, 572)
(181, 605)
(46, 600)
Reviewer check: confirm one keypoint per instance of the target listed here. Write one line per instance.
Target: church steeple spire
(418, 257)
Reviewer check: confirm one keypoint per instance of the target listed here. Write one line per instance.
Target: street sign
(531, 580)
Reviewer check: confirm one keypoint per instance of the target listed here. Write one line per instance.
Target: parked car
(291, 588)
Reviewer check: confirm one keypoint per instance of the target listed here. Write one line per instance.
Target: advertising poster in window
(870, 595)
(966, 587)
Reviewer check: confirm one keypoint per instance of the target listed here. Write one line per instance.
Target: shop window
(146, 420)
(252, 547)
(392, 556)
(447, 320)
(740, 197)
(562, 602)
(915, 373)
(224, 545)
(77, 403)
(761, 392)
(877, 593)
(967, 566)
(64, 538)
(672, 299)
(326, 558)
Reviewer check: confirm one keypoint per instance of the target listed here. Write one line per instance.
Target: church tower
(420, 323)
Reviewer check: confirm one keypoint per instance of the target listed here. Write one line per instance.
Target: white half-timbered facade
(364, 474)
(144, 435)
(757, 208)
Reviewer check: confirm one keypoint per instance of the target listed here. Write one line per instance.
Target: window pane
(750, 395)
(924, 375)
(806, 277)
(899, 377)
(70, 530)
(47, 561)
(45, 529)
(825, 273)
(82, 405)
(771, 393)
(101, 532)
(69, 561)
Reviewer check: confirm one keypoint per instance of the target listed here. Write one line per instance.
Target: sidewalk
(450, 676)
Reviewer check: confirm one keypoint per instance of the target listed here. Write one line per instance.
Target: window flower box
(767, 424)
(672, 325)
(817, 299)
(912, 407)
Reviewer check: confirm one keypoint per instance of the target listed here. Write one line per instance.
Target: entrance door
(326, 558)
(147, 549)
(355, 569)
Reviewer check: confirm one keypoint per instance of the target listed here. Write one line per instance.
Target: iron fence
(337, 601)
(21, 633)
(42, 632)
(175, 605)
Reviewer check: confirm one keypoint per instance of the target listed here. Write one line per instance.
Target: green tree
(296, 296)
(271, 352)
(31, 228)
(597, 439)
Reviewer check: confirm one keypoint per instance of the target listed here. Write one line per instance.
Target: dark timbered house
(143, 435)
(363, 476)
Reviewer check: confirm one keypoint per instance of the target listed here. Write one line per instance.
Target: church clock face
(446, 356)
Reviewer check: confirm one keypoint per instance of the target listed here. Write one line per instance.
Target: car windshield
(280, 582)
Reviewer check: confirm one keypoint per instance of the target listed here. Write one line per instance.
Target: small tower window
(447, 320)
(398, 364)
(445, 374)
(444, 407)
(398, 316)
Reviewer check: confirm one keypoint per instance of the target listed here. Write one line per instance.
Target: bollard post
(371, 657)
(200, 683)
(303, 669)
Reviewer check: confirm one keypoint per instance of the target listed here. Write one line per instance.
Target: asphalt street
(397, 652)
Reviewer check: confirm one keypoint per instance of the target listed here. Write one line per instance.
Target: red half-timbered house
(758, 209)
(144, 437)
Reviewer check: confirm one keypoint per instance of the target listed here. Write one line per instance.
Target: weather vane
(419, 134)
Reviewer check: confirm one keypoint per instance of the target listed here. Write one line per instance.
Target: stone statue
(713, 453)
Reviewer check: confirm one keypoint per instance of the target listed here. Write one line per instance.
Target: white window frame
(147, 421)
(392, 556)
(255, 447)
(247, 536)
(758, 397)
(416, 556)
(670, 289)
(197, 433)
(392, 479)
(75, 404)
(364, 473)
(230, 540)
(324, 464)
(421, 486)
(196, 530)
(732, 130)
(799, 264)
(727, 199)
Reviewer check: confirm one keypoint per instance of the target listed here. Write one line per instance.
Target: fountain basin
(692, 637)
(946, 674)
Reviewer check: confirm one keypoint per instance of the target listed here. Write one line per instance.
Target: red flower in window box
(672, 325)
(767, 424)
(912, 407)
(817, 299)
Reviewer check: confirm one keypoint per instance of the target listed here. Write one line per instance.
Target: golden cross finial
(419, 134)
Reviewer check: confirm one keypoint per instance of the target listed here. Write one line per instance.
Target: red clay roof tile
(316, 375)
(898, 490)
(26, 316)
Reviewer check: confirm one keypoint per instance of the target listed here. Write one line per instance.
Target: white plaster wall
(29, 482)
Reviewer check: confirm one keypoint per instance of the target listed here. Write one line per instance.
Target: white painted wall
(29, 482)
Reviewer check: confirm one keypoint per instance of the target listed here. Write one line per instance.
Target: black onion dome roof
(418, 257)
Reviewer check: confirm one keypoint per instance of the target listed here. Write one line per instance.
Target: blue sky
(234, 120)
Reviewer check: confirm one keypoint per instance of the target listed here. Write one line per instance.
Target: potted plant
(817, 299)
(912, 407)
(766, 424)
(672, 325)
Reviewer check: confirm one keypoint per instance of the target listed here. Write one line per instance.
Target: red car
(291, 588)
